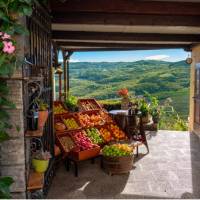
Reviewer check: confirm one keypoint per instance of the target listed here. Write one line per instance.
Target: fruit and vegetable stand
(89, 133)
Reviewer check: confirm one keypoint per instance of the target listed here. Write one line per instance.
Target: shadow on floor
(195, 166)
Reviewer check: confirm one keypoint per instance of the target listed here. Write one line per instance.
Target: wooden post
(65, 73)
(60, 86)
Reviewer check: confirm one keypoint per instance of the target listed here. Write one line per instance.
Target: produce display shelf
(86, 154)
(35, 181)
(36, 133)
(92, 103)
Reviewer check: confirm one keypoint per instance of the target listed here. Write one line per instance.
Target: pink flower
(8, 47)
(1, 33)
(6, 36)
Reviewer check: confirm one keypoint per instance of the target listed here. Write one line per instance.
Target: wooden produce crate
(107, 136)
(62, 106)
(91, 122)
(122, 135)
(86, 154)
(88, 104)
(74, 117)
(64, 148)
(59, 120)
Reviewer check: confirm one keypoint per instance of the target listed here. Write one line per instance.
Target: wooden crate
(88, 104)
(57, 103)
(86, 154)
(74, 116)
(59, 143)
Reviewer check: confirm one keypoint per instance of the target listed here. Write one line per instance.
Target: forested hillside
(162, 79)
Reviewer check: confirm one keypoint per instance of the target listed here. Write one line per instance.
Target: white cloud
(74, 60)
(71, 60)
(157, 57)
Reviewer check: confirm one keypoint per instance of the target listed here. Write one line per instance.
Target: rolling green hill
(102, 80)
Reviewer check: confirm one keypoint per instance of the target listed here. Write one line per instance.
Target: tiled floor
(170, 170)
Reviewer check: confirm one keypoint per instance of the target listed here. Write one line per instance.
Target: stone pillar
(196, 59)
(12, 151)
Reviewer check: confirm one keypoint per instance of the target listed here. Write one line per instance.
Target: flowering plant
(7, 54)
(123, 92)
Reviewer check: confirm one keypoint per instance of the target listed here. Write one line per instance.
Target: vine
(10, 12)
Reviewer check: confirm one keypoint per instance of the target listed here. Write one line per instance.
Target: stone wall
(12, 151)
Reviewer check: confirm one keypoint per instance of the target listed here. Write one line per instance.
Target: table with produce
(91, 132)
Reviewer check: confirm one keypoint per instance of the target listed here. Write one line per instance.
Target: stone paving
(170, 170)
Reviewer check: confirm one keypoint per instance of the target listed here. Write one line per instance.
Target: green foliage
(71, 102)
(5, 183)
(158, 78)
(170, 119)
(10, 11)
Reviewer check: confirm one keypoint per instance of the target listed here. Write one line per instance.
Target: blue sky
(171, 55)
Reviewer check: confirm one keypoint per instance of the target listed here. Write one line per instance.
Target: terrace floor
(170, 170)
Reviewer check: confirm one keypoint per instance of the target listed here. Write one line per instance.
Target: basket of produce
(65, 142)
(117, 158)
(94, 135)
(84, 148)
(117, 133)
(70, 122)
(106, 117)
(105, 134)
(90, 119)
(88, 104)
(59, 108)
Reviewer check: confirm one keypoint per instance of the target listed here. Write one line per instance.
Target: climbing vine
(10, 13)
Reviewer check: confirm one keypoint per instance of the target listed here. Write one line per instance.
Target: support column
(196, 59)
(66, 59)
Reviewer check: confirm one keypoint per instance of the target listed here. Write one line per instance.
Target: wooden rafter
(125, 19)
(108, 36)
(127, 7)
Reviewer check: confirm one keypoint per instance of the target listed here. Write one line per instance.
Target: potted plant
(125, 99)
(42, 114)
(144, 109)
(154, 108)
(40, 161)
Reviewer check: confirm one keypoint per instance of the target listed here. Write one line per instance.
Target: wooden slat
(125, 19)
(127, 6)
(127, 37)
(37, 133)
(35, 181)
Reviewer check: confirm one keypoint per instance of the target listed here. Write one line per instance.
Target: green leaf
(7, 103)
(19, 29)
(4, 90)
(3, 136)
(5, 183)
(2, 58)
(27, 10)
(4, 115)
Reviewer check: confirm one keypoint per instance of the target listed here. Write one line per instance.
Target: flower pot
(125, 103)
(40, 165)
(42, 118)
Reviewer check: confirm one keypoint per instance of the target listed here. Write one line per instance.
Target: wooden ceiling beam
(107, 36)
(125, 19)
(115, 45)
(132, 47)
(127, 7)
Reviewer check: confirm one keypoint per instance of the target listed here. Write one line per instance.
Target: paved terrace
(170, 170)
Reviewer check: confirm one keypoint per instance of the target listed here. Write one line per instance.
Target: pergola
(123, 25)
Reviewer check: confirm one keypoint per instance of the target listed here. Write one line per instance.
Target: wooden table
(131, 124)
